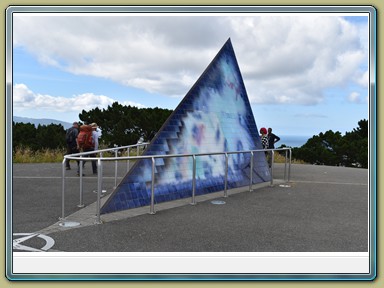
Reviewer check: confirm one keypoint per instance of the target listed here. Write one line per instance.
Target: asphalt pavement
(321, 209)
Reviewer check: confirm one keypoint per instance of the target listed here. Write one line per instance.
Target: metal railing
(100, 159)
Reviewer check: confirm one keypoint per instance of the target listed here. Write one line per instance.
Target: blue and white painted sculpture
(214, 116)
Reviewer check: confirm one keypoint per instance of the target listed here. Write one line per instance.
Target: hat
(263, 131)
(94, 125)
(75, 123)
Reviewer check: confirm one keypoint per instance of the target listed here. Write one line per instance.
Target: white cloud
(355, 97)
(363, 79)
(283, 59)
(23, 97)
(310, 115)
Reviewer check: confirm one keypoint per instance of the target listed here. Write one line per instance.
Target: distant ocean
(292, 141)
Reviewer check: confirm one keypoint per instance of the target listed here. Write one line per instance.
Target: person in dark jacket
(70, 139)
(272, 139)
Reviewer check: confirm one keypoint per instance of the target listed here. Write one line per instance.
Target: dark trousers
(71, 150)
(94, 165)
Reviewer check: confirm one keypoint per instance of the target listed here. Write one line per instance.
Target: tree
(331, 148)
(355, 146)
(51, 136)
(44, 136)
(151, 121)
(124, 125)
(321, 149)
(24, 135)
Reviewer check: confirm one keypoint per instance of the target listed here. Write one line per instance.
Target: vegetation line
(125, 125)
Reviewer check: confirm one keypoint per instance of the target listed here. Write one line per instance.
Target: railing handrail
(105, 150)
(74, 156)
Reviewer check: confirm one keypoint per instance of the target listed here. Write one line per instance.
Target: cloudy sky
(304, 73)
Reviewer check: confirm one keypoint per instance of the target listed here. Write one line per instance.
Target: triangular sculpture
(214, 116)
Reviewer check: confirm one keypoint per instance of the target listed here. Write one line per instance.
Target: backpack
(85, 139)
(70, 136)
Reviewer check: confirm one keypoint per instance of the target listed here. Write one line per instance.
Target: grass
(26, 155)
(281, 159)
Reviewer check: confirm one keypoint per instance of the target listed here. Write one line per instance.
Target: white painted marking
(17, 246)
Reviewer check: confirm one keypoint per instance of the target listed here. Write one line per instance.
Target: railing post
(152, 208)
(194, 180)
(289, 166)
(251, 174)
(226, 176)
(81, 204)
(62, 190)
(128, 163)
(272, 160)
(285, 165)
(99, 188)
(114, 187)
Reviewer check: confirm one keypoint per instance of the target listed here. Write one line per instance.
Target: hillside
(36, 122)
